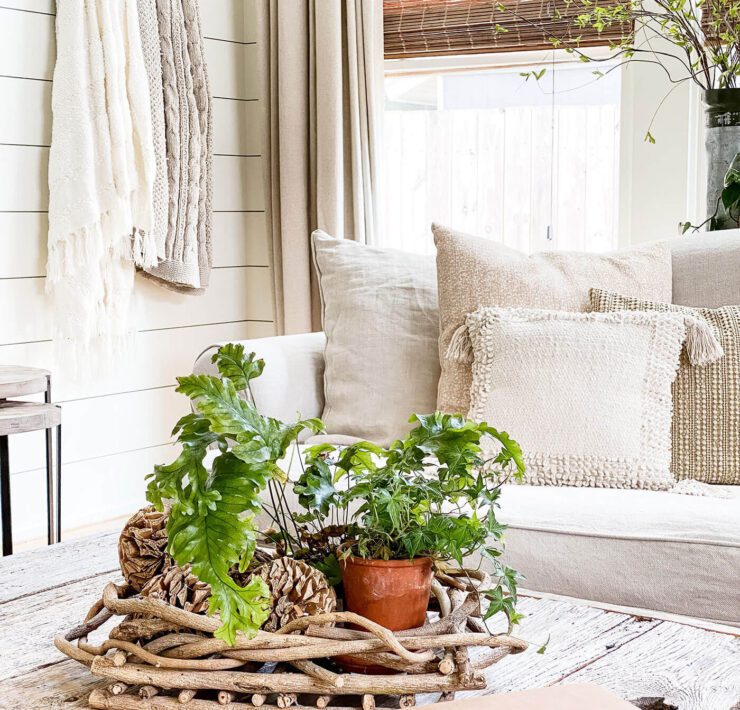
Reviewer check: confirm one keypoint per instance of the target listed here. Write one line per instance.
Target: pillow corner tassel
(460, 348)
(702, 345)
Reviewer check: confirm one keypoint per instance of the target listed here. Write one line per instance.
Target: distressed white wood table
(49, 590)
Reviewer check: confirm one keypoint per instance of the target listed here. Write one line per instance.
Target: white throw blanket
(101, 172)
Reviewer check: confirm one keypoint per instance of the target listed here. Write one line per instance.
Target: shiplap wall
(117, 425)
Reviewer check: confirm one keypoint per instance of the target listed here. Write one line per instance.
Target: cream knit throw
(586, 395)
(101, 171)
(185, 257)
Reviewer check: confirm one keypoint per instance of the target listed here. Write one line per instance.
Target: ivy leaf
(234, 365)
(731, 195)
(331, 569)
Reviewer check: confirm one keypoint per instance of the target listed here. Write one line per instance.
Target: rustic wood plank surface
(47, 591)
(49, 567)
(690, 668)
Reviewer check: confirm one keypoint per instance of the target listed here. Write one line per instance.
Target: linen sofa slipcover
(653, 550)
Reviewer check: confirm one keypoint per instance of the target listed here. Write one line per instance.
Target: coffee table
(49, 590)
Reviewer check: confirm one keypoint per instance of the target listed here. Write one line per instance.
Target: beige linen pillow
(586, 395)
(474, 272)
(706, 399)
(379, 312)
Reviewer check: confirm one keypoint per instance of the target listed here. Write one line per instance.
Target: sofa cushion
(649, 549)
(474, 272)
(706, 400)
(706, 269)
(586, 395)
(379, 311)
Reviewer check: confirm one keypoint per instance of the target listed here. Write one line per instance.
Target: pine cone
(179, 587)
(142, 546)
(261, 557)
(297, 590)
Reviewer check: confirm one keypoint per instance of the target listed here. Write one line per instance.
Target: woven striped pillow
(705, 430)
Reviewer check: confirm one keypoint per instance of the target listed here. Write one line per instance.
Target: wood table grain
(47, 591)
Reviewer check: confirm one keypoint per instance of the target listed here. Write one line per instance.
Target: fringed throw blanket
(130, 162)
(101, 171)
(185, 250)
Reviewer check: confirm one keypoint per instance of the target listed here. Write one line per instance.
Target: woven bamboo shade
(715, 21)
(420, 28)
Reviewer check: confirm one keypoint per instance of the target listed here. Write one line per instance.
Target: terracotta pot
(393, 593)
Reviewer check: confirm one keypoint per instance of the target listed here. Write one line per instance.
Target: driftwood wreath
(160, 656)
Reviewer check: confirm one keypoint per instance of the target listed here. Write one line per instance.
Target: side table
(17, 417)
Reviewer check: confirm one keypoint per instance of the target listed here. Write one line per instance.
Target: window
(474, 144)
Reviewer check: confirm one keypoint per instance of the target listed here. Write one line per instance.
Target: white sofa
(660, 551)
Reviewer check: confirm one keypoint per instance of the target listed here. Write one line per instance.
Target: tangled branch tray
(160, 656)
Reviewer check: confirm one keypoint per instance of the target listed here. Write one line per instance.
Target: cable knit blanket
(130, 166)
(101, 171)
(173, 46)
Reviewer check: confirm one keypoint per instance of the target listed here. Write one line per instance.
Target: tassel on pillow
(702, 345)
(460, 348)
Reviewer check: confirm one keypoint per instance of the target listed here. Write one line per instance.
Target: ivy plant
(433, 493)
(210, 524)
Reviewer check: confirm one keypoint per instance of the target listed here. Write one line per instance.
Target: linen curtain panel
(322, 73)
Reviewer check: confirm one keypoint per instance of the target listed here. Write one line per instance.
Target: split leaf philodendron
(210, 522)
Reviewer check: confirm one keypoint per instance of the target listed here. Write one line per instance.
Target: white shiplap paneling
(22, 244)
(153, 360)
(235, 294)
(25, 118)
(116, 421)
(236, 127)
(238, 75)
(239, 240)
(228, 20)
(27, 46)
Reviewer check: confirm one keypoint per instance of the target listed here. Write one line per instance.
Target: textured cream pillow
(474, 272)
(706, 399)
(586, 395)
(379, 312)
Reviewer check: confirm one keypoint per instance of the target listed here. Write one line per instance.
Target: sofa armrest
(293, 380)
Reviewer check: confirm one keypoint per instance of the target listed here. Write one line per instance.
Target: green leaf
(234, 365)
(731, 195)
(210, 519)
(541, 650)
(218, 401)
(649, 138)
(331, 569)
(212, 535)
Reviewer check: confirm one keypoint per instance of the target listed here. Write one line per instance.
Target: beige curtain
(322, 73)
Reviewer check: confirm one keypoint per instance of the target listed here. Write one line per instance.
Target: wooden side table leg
(5, 515)
(59, 484)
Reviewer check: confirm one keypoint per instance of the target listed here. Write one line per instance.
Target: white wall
(116, 427)
(660, 184)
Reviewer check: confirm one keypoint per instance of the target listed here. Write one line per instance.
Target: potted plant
(426, 499)
(706, 37)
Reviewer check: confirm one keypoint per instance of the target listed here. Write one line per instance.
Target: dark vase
(722, 114)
